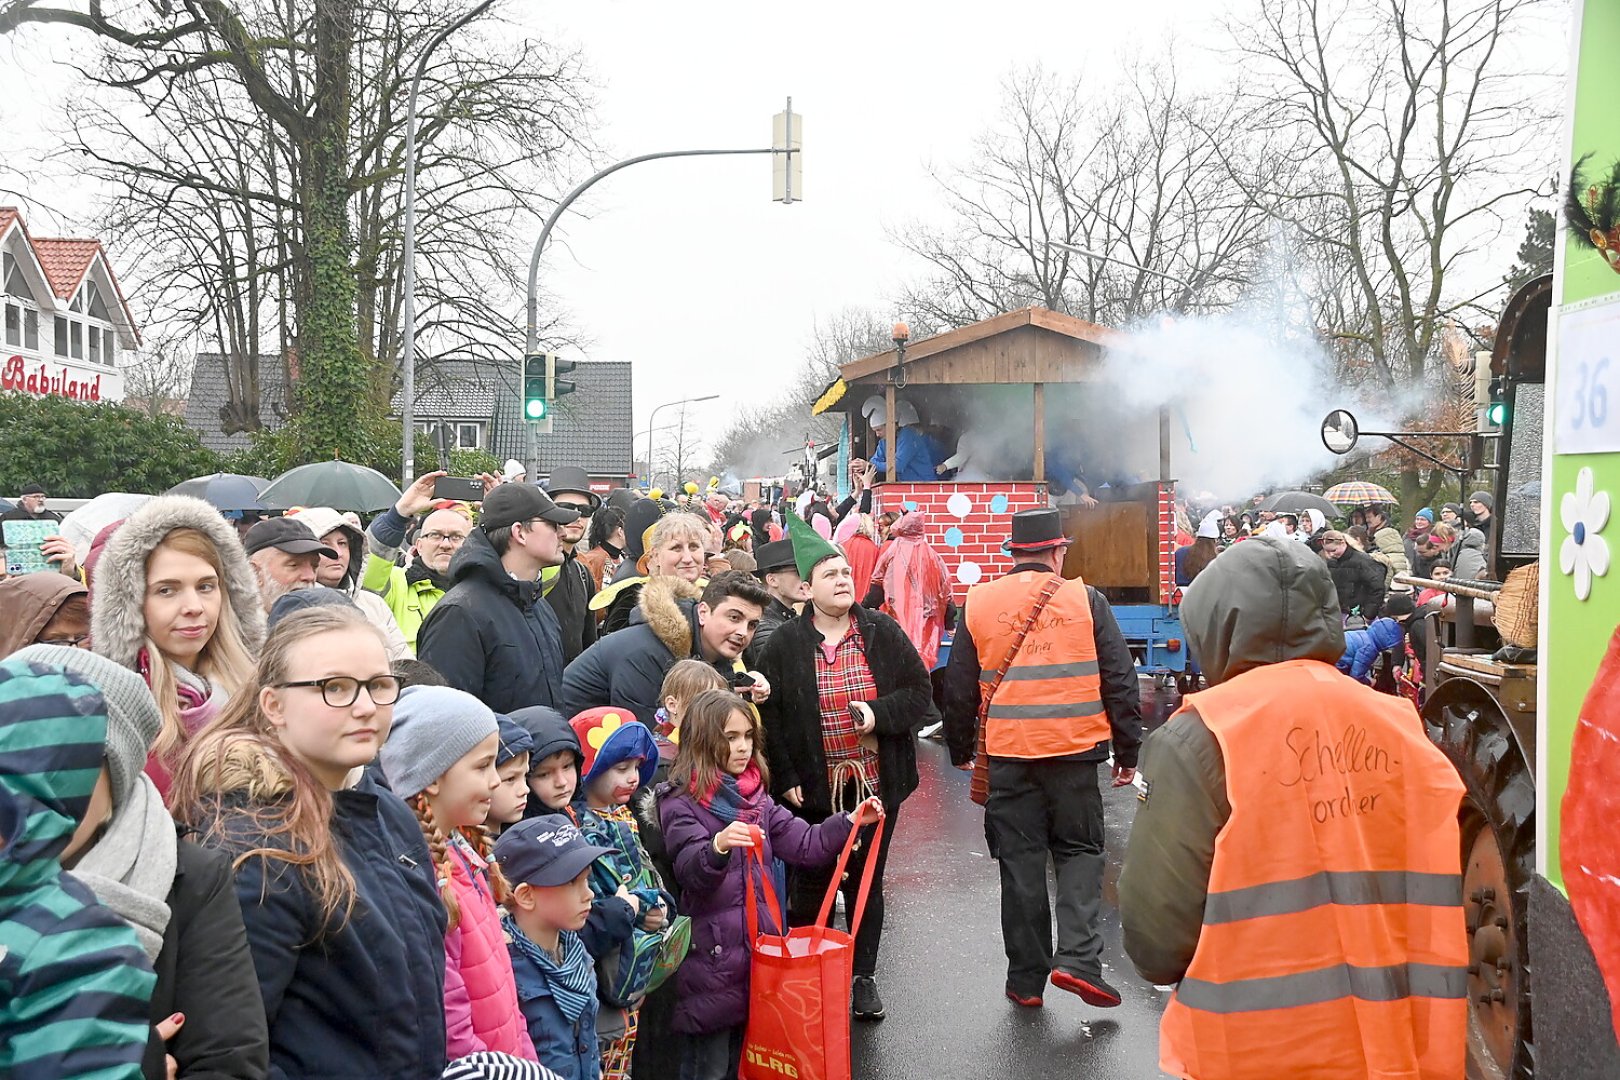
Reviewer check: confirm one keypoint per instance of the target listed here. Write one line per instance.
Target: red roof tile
(65, 261)
(8, 214)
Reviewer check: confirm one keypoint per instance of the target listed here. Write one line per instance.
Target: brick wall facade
(966, 522)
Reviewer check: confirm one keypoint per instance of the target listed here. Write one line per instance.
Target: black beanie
(1399, 604)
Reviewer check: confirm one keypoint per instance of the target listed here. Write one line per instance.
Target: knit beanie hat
(515, 740)
(434, 727)
(1399, 604)
(1427, 514)
(133, 719)
(608, 736)
(809, 546)
(1484, 498)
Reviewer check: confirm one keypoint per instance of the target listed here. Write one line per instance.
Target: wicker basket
(1518, 606)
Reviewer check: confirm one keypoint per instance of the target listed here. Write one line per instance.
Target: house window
(109, 348)
(95, 345)
(94, 303)
(468, 436)
(13, 324)
(30, 329)
(76, 339)
(61, 336)
(14, 284)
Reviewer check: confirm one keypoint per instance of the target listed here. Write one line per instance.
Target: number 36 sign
(1588, 408)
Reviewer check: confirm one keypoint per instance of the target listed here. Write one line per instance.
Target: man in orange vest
(1061, 689)
(1294, 864)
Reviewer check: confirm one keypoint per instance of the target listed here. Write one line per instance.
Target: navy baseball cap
(545, 851)
(515, 739)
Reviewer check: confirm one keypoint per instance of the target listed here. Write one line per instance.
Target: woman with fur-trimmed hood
(176, 601)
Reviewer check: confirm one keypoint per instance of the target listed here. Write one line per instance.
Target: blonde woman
(176, 601)
(677, 546)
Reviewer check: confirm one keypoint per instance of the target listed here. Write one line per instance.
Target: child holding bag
(717, 792)
(440, 758)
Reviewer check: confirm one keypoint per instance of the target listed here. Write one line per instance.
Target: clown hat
(609, 735)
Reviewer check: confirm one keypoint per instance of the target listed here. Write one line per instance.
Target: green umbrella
(337, 484)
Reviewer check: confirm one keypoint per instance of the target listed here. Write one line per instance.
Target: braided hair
(439, 847)
(481, 840)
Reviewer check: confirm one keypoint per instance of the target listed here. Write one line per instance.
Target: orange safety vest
(1049, 704)
(1333, 942)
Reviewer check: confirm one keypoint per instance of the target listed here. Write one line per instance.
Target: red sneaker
(1027, 1002)
(1092, 991)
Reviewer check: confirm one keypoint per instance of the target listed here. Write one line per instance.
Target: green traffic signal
(1496, 413)
(535, 408)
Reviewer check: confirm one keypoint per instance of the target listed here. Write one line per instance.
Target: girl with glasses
(336, 883)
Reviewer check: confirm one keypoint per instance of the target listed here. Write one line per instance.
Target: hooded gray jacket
(1263, 602)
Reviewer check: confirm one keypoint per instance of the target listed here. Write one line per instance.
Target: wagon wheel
(1498, 848)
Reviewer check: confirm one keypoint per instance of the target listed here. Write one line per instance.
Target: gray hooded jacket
(1263, 602)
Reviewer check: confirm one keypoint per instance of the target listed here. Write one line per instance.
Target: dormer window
(12, 274)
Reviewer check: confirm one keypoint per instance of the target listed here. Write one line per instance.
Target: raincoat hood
(28, 602)
(1262, 602)
(52, 778)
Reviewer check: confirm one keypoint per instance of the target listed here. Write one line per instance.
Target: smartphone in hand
(459, 488)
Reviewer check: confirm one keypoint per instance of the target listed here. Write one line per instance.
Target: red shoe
(1027, 1002)
(1092, 991)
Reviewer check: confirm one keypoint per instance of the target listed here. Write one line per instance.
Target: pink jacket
(480, 995)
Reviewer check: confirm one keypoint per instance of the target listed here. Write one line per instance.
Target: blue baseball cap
(545, 851)
(515, 740)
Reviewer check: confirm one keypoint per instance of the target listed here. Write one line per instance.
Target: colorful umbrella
(1358, 493)
(337, 484)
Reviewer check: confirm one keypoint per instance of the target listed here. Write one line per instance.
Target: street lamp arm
(1120, 262)
(532, 335)
(651, 420)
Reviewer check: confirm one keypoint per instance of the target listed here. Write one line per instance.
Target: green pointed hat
(809, 546)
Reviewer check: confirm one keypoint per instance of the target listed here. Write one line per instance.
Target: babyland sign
(54, 378)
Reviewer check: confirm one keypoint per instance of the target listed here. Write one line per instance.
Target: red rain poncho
(916, 585)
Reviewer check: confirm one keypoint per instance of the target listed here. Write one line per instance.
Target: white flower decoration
(1584, 552)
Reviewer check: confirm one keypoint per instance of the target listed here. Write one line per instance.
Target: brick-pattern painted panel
(966, 522)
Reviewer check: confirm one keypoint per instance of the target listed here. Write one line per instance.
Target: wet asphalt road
(942, 969)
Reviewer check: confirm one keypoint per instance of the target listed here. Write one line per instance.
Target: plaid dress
(842, 676)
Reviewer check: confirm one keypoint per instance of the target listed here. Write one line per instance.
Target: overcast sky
(685, 267)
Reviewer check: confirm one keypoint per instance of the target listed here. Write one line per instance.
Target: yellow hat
(691, 487)
(656, 493)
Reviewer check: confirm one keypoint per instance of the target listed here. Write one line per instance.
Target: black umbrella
(231, 492)
(1297, 502)
(337, 484)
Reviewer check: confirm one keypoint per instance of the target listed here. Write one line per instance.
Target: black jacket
(627, 667)
(792, 715)
(491, 636)
(365, 998)
(1121, 696)
(776, 613)
(224, 1036)
(1359, 580)
(568, 598)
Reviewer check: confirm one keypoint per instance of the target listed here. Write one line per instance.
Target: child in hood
(77, 984)
(620, 758)
(512, 765)
(1361, 647)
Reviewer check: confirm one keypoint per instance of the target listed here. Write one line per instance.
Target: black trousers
(808, 888)
(1040, 811)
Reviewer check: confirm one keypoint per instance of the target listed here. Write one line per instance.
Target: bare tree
(1138, 176)
(294, 174)
(1412, 132)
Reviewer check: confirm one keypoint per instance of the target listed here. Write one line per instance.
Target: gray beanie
(1485, 499)
(434, 727)
(133, 719)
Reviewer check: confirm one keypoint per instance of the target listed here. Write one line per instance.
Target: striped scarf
(573, 982)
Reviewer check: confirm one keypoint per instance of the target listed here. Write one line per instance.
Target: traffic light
(536, 398)
(1496, 413)
(559, 366)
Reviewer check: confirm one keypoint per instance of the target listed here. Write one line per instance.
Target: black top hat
(776, 555)
(575, 480)
(1036, 530)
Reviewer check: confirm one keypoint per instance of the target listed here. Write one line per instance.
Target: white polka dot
(969, 573)
(959, 505)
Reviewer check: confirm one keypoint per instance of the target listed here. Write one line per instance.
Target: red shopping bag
(798, 998)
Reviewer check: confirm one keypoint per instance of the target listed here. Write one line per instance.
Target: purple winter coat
(712, 983)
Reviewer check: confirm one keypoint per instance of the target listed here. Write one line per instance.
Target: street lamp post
(531, 339)
(408, 255)
(654, 416)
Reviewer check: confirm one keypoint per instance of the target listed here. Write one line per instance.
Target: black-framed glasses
(71, 642)
(341, 691)
(436, 537)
